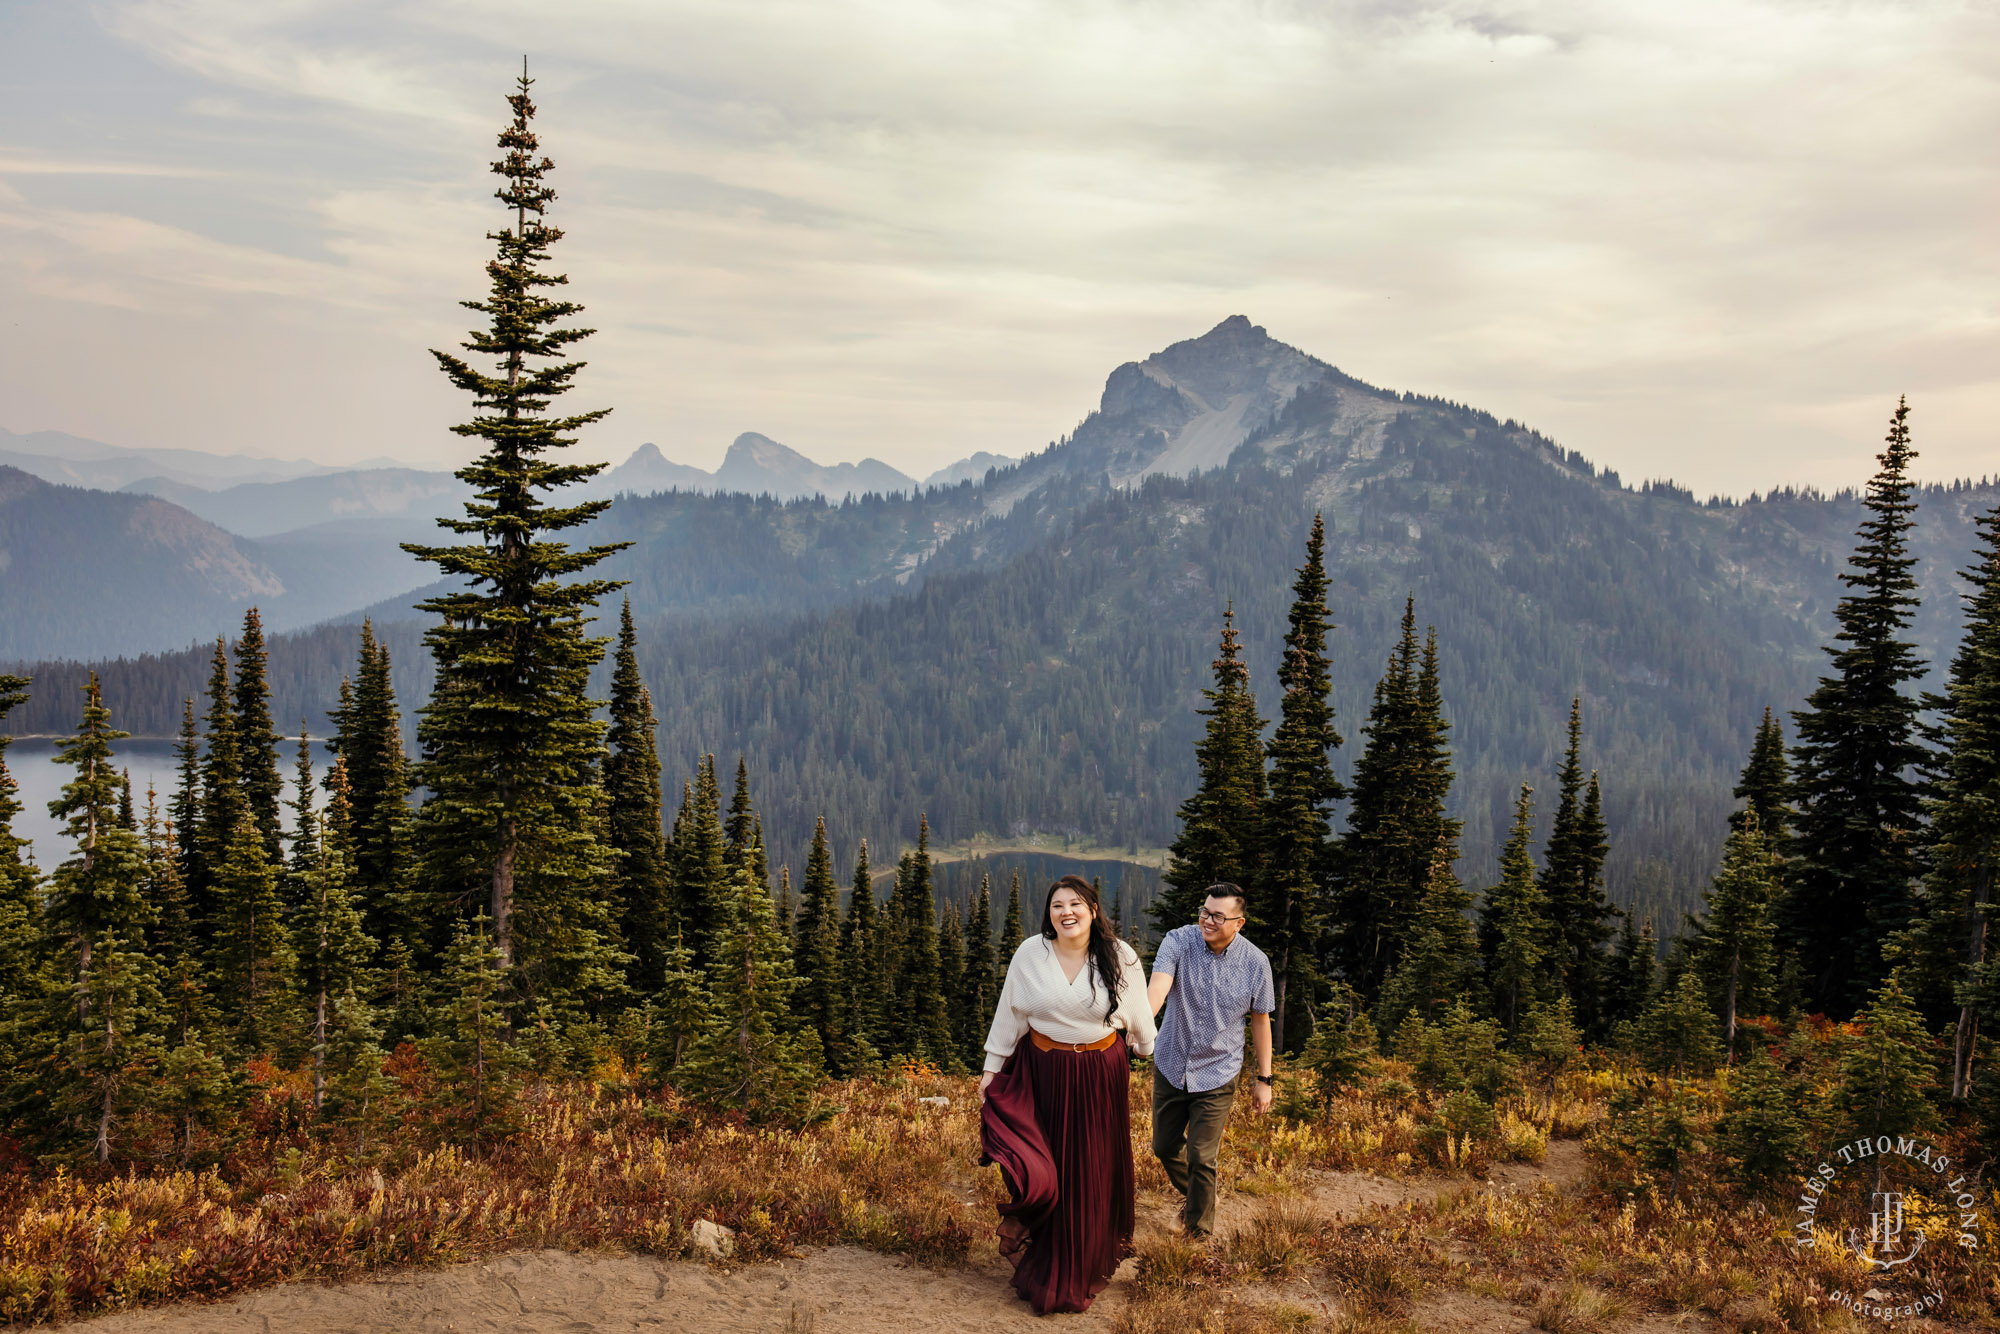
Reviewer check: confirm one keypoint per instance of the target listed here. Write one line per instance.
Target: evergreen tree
(1886, 1077)
(1857, 759)
(334, 950)
(816, 951)
(922, 1029)
(1513, 922)
(128, 817)
(510, 738)
(222, 804)
(368, 739)
(1548, 1040)
(255, 964)
(746, 1058)
(359, 1094)
(1578, 913)
(171, 941)
(1396, 821)
(305, 823)
(1677, 1034)
(478, 1071)
(976, 1002)
(1735, 952)
(98, 914)
(681, 1012)
(1441, 959)
(740, 828)
(112, 1062)
(701, 862)
(1342, 1048)
(1295, 821)
(1635, 965)
(638, 836)
(195, 1090)
(1220, 823)
(184, 811)
(1765, 785)
(951, 980)
(20, 908)
(1010, 934)
(1761, 1132)
(861, 968)
(99, 892)
(1946, 950)
(256, 738)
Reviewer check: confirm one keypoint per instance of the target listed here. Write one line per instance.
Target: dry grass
(588, 1171)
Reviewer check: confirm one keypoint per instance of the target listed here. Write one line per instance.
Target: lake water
(31, 761)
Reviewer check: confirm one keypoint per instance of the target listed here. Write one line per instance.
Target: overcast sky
(1711, 241)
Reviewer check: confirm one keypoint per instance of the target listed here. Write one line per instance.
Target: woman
(1055, 1115)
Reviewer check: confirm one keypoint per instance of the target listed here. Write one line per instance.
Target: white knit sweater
(1038, 996)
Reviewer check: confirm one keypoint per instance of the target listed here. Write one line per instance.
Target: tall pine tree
(922, 1028)
(368, 738)
(1513, 923)
(1858, 757)
(632, 793)
(1734, 949)
(817, 957)
(255, 963)
(98, 914)
(1396, 822)
(510, 736)
(1220, 823)
(1291, 889)
(1947, 949)
(861, 970)
(222, 805)
(1577, 911)
(184, 808)
(256, 738)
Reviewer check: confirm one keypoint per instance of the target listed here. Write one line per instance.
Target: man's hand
(1157, 987)
(1260, 1050)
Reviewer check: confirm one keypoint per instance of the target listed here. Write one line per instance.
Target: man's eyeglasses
(1207, 918)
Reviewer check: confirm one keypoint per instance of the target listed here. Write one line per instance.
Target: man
(1210, 980)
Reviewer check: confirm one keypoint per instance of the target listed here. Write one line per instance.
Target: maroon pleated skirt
(1059, 1124)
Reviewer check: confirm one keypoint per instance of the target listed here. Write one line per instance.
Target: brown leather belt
(1050, 1044)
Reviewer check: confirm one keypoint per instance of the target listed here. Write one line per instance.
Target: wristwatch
(1263, 1079)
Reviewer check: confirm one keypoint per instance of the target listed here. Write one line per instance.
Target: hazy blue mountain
(259, 509)
(72, 460)
(758, 465)
(970, 469)
(648, 471)
(93, 574)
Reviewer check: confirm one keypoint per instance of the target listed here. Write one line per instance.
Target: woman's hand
(984, 1080)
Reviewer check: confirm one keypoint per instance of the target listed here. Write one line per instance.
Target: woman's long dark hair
(1103, 943)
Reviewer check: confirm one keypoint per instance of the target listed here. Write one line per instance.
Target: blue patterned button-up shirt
(1200, 1047)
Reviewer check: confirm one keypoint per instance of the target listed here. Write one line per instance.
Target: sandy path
(828, 1291)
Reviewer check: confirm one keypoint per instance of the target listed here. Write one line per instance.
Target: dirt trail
(829, 1291)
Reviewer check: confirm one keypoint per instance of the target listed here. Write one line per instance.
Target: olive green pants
(1187, 1139)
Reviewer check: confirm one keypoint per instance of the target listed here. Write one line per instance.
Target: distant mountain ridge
(1024, 652)
(96, 574)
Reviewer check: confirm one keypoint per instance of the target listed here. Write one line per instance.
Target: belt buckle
(1076, 1046)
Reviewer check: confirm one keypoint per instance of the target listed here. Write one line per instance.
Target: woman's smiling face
(1070, 914)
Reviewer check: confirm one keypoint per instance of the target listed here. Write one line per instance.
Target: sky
(1698, 240)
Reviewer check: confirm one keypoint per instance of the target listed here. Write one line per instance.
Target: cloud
(1707, 239)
